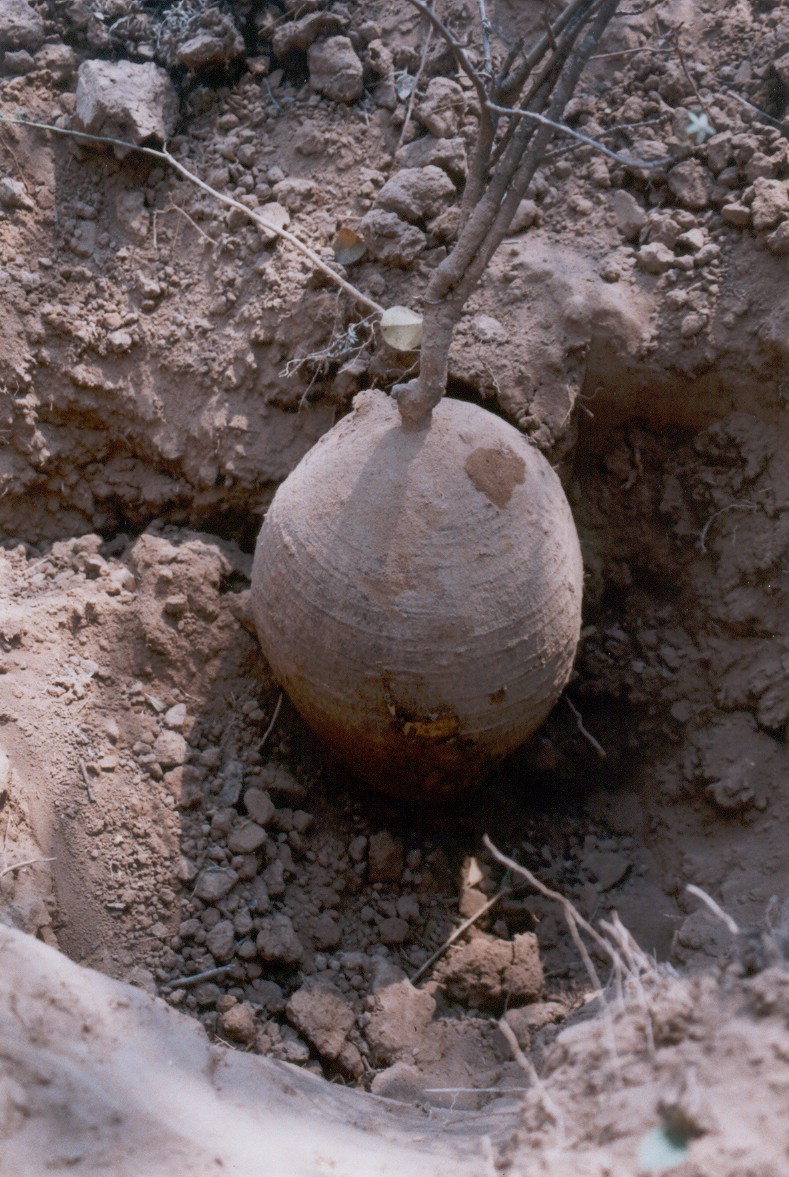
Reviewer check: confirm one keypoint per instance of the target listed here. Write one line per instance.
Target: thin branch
(197, 978)
(527, 1066)
(270, 727)
(573, 917)
(464, 927)
(761, 113)
(714, 907)
(27, 862)
(516, 112)
(717, 514)
(253, 215)
(511, 83)
(686, 72)
(460, 54)
(417, 79)
(599, 749)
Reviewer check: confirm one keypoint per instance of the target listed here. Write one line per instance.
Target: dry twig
(274, 717)
(715, 908)
(18, 865)
(252, 214)
(599, 749)
(86, 782)
(458, 932)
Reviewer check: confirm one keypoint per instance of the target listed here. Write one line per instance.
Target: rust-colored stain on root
(496, 471)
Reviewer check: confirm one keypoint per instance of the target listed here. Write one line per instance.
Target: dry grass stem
(527, 1066)
(464, 927)
(599, 749)
(274, 718)
(715, 908)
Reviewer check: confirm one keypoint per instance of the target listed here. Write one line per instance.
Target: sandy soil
(164, 365)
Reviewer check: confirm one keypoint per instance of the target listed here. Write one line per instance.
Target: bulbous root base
(417, 592)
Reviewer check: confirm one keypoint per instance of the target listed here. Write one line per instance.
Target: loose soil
(164, 364)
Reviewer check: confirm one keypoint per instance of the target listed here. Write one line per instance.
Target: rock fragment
(335, 70)
(298, 35)
(248, 838)
(630, 216)
(770, 202)
(20, 26)
(214, 882)
(655, 258)
(277, 941)
(385, 858)
(125, 100)
(449, 154)
(320, 1014)
(442, 108)
(487, 971)
(690, 184)
(607, 867)
(13, 194)
(417, 194)
(259, 806)
(221, 941)
(170, 749)
(217, 45)
(239, 1023)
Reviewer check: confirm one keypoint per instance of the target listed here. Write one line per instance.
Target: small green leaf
(402, 328)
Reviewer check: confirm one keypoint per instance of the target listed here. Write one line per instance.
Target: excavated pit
(166, 814)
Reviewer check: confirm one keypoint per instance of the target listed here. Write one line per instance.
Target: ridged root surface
(418, 593)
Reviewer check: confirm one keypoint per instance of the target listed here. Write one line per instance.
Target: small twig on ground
(172, 207)
(528, 1067)
(458, 932)
(573, 917)
(627, 161)
(637, 962)
(84, 772)
(252, 214)
(460, 54)
(686, 72)
(197, 978)
(18, 865)
(761, 113)
(715, 908)
(599, 749)
(270, 727)
(723, 510)
(417, 79)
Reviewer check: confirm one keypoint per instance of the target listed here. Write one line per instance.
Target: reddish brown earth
(163, 366)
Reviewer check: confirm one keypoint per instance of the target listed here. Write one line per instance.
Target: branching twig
(460, 54)
(253, 215)
(717, 514)
(527, 1066)
(573, 917)
(515, 112)
(686, 72)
